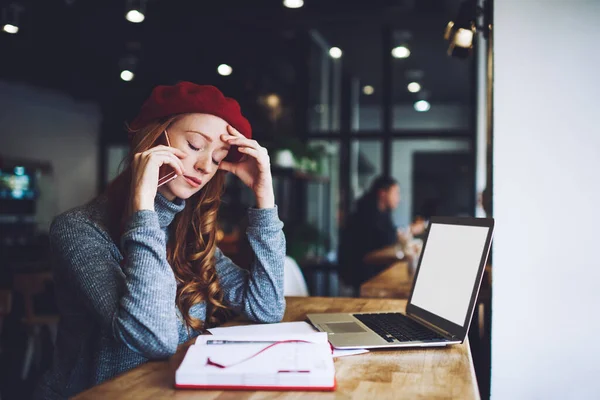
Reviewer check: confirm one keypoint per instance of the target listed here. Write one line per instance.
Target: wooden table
(382, 374)
(384, 256)
(394, 282)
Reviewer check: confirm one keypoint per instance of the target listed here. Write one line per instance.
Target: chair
(293, 280)
(30, 285)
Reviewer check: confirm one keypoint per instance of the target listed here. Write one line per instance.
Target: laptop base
(346, 332)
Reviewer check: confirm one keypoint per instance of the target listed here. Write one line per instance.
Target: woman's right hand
(145, 169)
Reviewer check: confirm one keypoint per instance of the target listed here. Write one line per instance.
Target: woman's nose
(204, 165)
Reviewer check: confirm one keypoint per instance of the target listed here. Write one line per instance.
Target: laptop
(442, 299)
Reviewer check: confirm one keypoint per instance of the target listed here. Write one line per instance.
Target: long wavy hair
(192, 234)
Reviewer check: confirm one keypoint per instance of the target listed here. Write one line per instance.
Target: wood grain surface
(381, 374)
(394, 282)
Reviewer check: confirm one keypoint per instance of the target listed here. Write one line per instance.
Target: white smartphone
(166, 173)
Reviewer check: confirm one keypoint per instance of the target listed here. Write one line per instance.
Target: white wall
(546, 263)
(41, 124)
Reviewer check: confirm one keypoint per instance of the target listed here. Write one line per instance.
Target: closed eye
(191, 146)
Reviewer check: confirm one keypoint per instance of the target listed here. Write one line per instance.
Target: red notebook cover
(276, 388)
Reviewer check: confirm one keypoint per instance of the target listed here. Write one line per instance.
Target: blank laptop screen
(446, 279)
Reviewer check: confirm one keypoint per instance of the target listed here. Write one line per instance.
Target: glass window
(436, 177)
(322, 196)
(431, 91)
(365, 164)
(324, 86)
(116, 155)
(361, 58)
(364, 62)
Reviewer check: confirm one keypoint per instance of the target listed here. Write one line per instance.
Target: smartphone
(166, 173)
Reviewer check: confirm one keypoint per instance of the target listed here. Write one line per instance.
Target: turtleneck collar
(166, 209)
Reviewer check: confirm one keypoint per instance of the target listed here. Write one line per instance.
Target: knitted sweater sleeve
(134, 304)
(256, 294)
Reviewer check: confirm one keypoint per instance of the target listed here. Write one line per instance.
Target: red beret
(188, 97)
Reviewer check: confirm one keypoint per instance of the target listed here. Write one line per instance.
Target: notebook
(258, 362)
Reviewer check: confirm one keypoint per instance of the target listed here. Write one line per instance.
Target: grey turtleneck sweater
(115, 318)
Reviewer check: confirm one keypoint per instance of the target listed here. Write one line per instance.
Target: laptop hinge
(429, 325)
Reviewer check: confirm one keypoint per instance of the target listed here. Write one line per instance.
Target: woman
(137, 270)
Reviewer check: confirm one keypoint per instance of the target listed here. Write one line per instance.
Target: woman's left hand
(254, 169)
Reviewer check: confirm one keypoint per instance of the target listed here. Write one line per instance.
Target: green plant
(304, 239)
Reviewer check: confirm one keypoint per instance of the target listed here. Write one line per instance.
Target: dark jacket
(366, 229)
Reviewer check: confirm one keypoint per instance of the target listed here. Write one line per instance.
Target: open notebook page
(298, 327)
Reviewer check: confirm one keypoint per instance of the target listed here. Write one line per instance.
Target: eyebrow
(207, 137)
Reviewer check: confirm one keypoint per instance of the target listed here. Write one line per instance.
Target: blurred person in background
(137, 269)
(373, 214)
(370, 227)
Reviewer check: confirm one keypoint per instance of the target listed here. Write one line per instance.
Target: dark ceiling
(76, 46)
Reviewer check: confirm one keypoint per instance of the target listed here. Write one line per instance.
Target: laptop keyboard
(392, 326)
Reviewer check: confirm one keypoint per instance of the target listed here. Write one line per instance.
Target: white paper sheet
(350, 352)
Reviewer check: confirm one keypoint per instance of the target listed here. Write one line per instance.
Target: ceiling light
(460, 32)
(136, 10)
(10, 18)
(224, 70)
(400, 52)
(273, 100)
(413, 87)
(368, 90)
(293, 3)
(422, 106)
(464, 38)
(128, 65)
(335, 52)
(461, 40)
(127, 75)
(135, 16)
(9, 28)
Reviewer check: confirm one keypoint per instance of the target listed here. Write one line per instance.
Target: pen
(237, 342)
(303, 371)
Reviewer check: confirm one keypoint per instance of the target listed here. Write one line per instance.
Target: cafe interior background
(339, 92)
